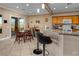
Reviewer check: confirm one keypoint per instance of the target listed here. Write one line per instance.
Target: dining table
(23, 36)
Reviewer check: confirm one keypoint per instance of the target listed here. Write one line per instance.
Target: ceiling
(32, 8)
(60, 7)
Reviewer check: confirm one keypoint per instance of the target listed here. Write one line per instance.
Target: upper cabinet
(55, 20)
(59, 19)
(75, 20)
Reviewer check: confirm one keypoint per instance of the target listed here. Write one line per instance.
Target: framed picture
(37, 21)
(46, 19)
(31, 21)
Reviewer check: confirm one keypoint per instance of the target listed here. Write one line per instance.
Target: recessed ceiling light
(43, 6)
(54, 8)
(66, 7)
(38, 10)
(17, 6)
(27, 4)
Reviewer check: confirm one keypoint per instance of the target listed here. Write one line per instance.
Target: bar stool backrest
(40, 36)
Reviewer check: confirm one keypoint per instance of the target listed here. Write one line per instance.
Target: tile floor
(9, 48)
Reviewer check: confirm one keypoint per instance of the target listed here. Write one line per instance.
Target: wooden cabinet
(75, 20)
(60, 20)
(55, 20)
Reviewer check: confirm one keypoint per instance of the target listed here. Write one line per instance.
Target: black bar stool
(37, 50)
(44, 40)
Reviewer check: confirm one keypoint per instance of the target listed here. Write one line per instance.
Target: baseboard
(5, 38)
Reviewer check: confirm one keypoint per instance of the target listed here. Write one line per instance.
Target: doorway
(21, 24)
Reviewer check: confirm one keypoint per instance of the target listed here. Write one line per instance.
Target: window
(13, 24)
(1, 23)
(21, 25)
(17, 24)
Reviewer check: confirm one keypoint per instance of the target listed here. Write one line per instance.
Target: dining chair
(19, 36)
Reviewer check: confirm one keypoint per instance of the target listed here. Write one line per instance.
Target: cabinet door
(60, 20)
(54, 20)
(75, 20)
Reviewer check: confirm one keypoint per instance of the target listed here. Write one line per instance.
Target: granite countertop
(73, 33)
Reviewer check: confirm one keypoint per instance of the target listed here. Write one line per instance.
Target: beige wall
(42, 24)
(7, 14)
(6, 29)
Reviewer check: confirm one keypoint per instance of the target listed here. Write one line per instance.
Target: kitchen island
(64, 44)
(70, 44)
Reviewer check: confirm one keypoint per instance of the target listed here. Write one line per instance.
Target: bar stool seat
(45, 40)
